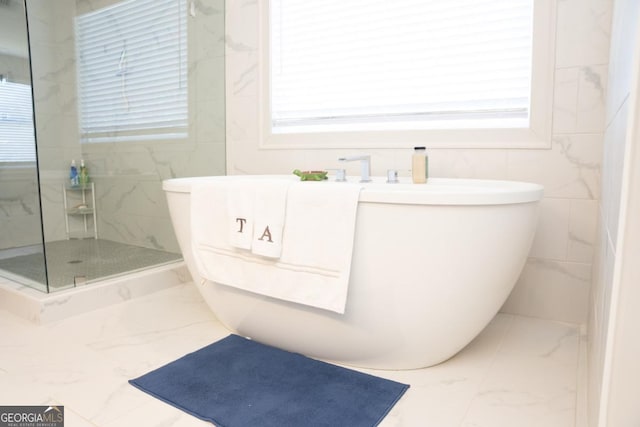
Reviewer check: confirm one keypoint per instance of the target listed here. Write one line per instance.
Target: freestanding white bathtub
(432, 265)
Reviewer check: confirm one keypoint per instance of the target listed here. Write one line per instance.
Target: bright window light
(132, 71)
(406, 64)
(376, 73)
(17, 139)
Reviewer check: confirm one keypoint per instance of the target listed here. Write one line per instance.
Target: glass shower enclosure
(21, 236)
(131, 92)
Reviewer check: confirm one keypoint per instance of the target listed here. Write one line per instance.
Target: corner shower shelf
(84, 198)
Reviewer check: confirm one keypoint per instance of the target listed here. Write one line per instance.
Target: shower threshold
(76, 262)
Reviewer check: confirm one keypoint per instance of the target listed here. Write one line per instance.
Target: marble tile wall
(15, 68)
(19, 208)
(13, 38)
(128, 176)
(556, 279)
(624, 48)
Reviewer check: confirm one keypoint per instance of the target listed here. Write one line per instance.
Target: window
(427, 71)
(132, 71)
(17, 140)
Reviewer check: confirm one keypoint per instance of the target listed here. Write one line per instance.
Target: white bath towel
(269, 213)
(317, 245)
(209, 218)
(240, 209)
(213, 218)
(318, 242)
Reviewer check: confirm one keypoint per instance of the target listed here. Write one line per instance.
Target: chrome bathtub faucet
(365, 165)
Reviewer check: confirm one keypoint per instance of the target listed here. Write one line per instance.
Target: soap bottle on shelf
(419, 165)
(73, 174)
(84, 174)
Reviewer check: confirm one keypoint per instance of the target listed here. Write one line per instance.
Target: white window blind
(132, 71)
(404, 64)
(17, 140)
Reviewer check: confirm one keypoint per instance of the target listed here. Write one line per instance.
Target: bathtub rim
(437, 191)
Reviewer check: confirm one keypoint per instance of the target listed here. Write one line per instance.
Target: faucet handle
(341, 174)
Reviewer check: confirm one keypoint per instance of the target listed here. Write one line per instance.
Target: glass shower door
(22, 257)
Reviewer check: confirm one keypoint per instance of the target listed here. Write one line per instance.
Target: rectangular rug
(237, 382)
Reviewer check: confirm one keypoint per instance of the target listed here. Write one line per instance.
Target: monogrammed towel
(240, 208)
(317, 245)
(269, 212)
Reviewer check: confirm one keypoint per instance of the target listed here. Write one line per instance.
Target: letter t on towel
(269, 216)
(240, 198)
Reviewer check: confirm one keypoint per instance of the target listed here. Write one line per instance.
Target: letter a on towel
(269, 213)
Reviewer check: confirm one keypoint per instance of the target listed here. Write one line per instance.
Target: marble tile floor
(519, 372)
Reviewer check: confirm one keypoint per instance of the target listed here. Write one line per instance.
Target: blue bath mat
(236, 382)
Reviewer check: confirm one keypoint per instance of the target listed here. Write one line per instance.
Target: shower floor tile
(77, 262)
(519, 371)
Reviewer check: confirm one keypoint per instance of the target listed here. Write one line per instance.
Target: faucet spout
(365, 165)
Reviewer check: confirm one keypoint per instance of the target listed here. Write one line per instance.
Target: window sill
(463, 138)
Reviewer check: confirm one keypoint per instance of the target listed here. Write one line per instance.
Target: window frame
(537, 135)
